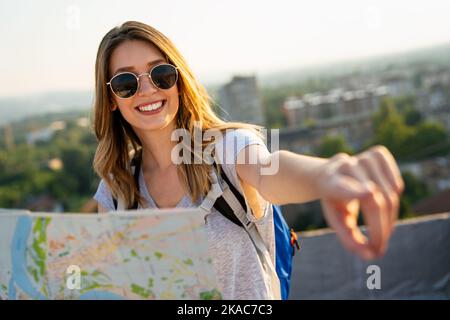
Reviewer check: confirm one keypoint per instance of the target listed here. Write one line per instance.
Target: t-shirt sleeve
(103, 196)
(227, 150)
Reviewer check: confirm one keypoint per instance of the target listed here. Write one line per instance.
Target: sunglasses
(125, 84)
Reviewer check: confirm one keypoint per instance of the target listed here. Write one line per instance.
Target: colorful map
(148, 254)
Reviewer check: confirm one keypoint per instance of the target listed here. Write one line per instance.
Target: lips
(150, 106)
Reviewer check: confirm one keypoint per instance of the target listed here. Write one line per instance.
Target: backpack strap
(222, 206)
(215, 192)
(229, 205)
(215, 197)
(236, 193)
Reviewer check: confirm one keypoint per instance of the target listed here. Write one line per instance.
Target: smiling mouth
(151, 106)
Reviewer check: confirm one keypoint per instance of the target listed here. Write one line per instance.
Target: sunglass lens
(124, 85)
(164, 76)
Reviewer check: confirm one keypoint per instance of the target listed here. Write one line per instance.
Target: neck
(157, 148)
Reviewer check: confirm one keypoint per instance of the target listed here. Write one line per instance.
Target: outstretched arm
(370, 180)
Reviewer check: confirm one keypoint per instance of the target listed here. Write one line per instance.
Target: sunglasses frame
(138, 77)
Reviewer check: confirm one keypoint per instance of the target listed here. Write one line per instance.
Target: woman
(145, 91)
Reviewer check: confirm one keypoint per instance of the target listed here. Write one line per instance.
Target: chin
(154, 125)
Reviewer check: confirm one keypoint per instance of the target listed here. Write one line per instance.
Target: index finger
(389, 167)
(375, 215)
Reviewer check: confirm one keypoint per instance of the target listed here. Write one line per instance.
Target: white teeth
(151, 107)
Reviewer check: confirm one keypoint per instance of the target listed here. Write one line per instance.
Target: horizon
(294, 69)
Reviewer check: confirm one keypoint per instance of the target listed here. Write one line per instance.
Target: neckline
(147, 194)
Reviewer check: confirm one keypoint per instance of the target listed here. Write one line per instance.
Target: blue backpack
(286, 242)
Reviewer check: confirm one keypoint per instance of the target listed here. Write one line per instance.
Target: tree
(386, 109)
(77, 161)
(405, 134)
(404, 103)
(429, 139)
(412, 117)
(415, 190)
(25, 174)
(330, 145)
(390, 129)
(272, 101)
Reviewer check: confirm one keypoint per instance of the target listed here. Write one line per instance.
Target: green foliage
(405, 134)
(272, 101)
(25, 173)
(405, 103)
(415, 190)
(309, 123)
(427, 139)
(412, 117)
(392, 131)
(385, 111)
(331, 145)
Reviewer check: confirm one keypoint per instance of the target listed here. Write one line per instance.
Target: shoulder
(232, 141)
(229, 147)
(103, 196)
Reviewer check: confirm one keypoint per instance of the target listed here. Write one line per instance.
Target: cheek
(175, 101)
(124, 104)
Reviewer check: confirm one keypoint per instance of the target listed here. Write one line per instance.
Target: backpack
(286, 241)
(228, 201)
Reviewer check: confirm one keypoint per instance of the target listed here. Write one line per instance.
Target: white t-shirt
(235, 260)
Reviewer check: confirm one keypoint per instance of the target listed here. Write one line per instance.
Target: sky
(51, 45)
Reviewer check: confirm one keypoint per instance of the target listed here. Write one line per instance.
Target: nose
(146, 86)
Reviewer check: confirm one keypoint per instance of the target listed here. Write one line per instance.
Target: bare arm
(295, 181)
(370, 180)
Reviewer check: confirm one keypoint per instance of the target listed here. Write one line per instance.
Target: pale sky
(51, 45)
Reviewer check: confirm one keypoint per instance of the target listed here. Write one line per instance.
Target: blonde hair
(117, 141)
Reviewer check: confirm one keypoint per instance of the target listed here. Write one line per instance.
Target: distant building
(346, 112)
(336, 105)
(434, 172)
(440, 76)
(399, 85)
(241, 100)
(83, 122)
(45, 134)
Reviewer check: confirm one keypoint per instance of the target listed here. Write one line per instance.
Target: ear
(113, 107)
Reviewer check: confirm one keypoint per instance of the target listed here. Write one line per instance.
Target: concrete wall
(416, 264)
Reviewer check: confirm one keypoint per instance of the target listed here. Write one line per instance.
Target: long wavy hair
(117, 141)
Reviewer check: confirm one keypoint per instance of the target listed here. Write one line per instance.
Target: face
(139, 57)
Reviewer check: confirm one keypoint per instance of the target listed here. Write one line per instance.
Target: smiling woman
(143, 107)
(145, 91)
